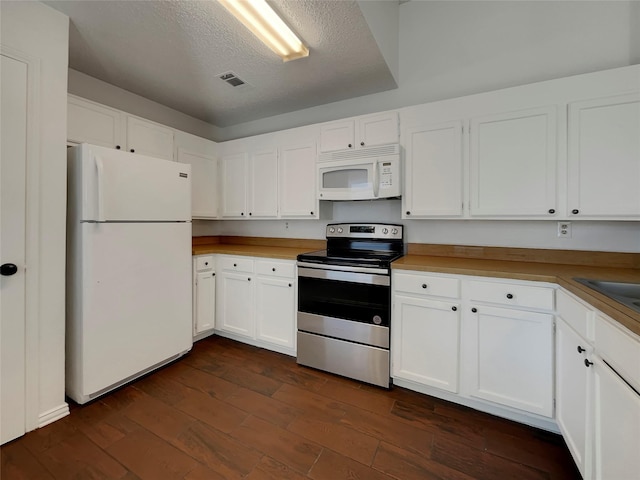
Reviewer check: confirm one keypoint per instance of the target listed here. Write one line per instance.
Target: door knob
(8, 269)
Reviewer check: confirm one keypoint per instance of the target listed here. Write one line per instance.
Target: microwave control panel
(386, 175)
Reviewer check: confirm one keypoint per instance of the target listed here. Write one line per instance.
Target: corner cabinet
(360, 132)
(433, 171)
(297, 181)
(204, 295)
(257, 302)
(604, 158)
(513, 164)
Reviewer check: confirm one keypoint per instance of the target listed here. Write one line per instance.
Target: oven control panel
(364, 230)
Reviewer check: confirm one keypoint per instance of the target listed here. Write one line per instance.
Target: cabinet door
(426, 342)
(513, 164)
(380, 129)
(88, 122)
(234, 190)
(235, 304)
(205, 293)
(617, 425)
(276, 311)
(572, 393)
(204, 183)
(511, 354)
(337, 136)
(604, 157)
(297, 167)
(263, 184)
(433, 179)
(148, 138)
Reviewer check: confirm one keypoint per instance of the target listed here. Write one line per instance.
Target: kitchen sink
(624, 292)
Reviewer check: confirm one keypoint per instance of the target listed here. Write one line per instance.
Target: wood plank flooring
(230, 411)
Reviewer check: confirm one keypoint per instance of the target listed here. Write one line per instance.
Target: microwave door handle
(100, 169)
(376, 179)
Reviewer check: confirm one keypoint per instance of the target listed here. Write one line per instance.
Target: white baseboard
(52, 415)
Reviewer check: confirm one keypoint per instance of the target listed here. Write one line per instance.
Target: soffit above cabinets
(173, 52)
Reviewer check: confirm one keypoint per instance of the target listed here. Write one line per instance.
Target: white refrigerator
(128, 267)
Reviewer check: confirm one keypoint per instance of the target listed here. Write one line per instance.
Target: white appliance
(128, 267)
(361, 174)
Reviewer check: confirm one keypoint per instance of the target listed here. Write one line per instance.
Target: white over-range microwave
(362, 174)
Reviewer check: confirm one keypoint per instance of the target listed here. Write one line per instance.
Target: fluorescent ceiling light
(265, 24)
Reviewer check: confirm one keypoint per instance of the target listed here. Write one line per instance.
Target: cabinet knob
(118, 147)
(362, 144)
(408, 213)
(213, 274)
(206, 263)
(311, 213)
(249, 279)
(454, 308)
(132, 150)
(509, 296)
(474, 309)
(273, 269)
(289, 284)
(580, 349)
(424, 285)
(250, 213)
(350, 145)
(242, 213)
(552, 211)
(587, 363)
(235, 264)
(8, 269)
(575, 211)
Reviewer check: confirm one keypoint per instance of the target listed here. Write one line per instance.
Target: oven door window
(352, 301)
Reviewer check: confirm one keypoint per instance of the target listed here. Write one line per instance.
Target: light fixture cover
(265, 24)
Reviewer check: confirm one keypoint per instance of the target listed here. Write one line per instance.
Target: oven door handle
(367, 278)
(376, 179)
(345, 268)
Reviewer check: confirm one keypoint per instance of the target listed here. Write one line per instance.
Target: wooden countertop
(560, 274)
(518, 264)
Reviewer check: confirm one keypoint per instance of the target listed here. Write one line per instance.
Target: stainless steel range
(344, 301)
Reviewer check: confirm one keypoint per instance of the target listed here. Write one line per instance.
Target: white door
(297, 166)
(148, 138)
(12, 248)
(263, 190)
(433, 185)
(89, 122)
(234, 185)
(380, 129)
(337, 136)
(426, 342)
(204, 183)
(235, 304)
(205, 305)
(275, 311)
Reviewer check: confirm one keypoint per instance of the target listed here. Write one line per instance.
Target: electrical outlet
(564, 229)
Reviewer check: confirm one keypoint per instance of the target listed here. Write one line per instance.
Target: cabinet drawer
(204, 262)
(574, 313)
(619, 348)
(511, 294)
(275, 268)
(236, 264)
(427, 285)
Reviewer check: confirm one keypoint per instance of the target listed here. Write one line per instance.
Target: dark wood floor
(229, 411)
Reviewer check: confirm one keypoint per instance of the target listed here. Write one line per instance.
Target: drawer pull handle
(424, 285)
(454, 308)
(580, 349)
(587, 363)
(474, 310)
(509, 296)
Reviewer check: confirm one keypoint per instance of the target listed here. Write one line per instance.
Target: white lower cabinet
(256, 302)
(426, 341)
(598, 408)
(511, 355)
(485, 343)
(204, 295)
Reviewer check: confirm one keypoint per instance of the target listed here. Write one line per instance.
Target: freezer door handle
(100, 168)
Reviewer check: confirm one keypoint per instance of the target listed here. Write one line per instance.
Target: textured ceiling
(173, 51)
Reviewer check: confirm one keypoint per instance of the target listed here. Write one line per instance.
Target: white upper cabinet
(604, 158)
(433, 171)
(297, 171)
(513, 164)
(149, 138)
(234, 169)
(263, 184)
(90, 122)
(361, 132)
(201, 155)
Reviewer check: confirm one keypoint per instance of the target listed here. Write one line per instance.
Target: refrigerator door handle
(100, 168)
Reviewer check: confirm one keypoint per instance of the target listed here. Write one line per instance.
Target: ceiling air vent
(232, 79)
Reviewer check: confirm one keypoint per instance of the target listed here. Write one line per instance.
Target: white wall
(596, 236)
(42, 33)
(453, 48)
(91, 88)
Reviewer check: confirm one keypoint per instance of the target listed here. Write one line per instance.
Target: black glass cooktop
(351, 257)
